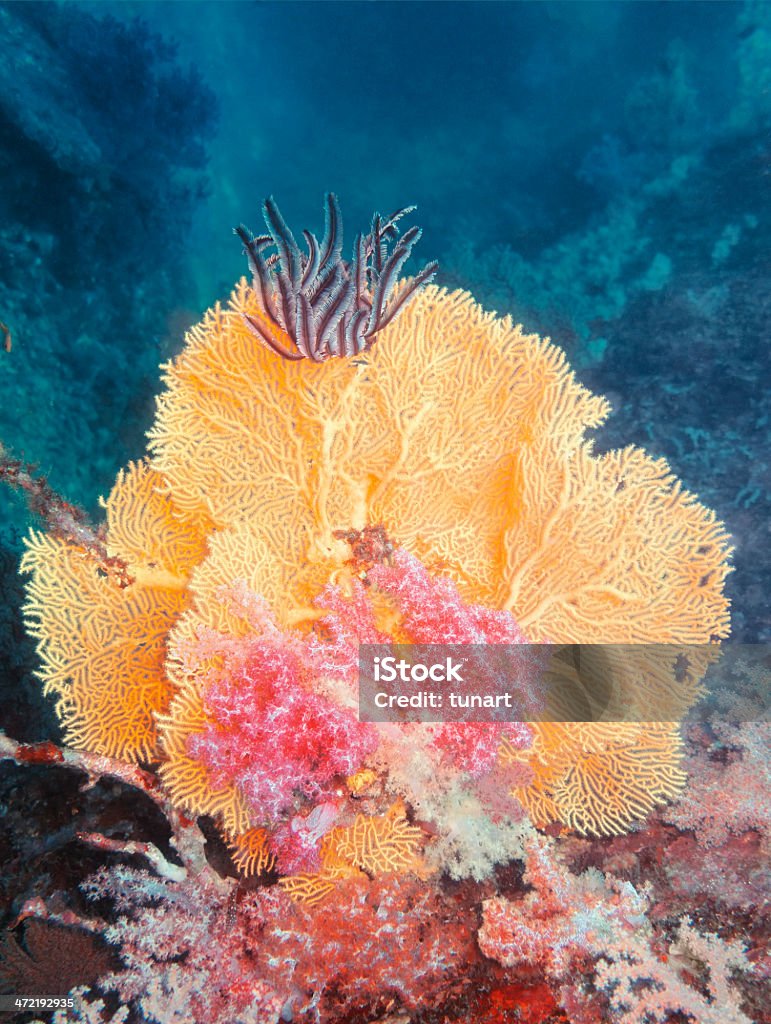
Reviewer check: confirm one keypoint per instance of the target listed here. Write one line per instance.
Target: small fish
(6, 336)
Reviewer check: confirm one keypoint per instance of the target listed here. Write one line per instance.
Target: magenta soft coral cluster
(348, 622)
(270, 735)
(275, 736)
(433, 610)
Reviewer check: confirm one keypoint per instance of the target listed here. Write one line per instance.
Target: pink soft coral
(280, 707)
(433, 612)
(271, 736)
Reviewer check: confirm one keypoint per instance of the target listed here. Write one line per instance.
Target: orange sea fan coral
(647, 561)
(308, 888)
(464, 437)
(147, 531)
(598, 778)
(374, 845)
(103, 646)
(250, 852)
(378, 844)
(459, 437)
(625, 682)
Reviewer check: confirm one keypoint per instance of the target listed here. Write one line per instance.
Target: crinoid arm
(316, 305)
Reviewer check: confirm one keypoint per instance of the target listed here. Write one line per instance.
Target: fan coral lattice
(599, 778)
(383, 844)
(102, 644)
(463, 437)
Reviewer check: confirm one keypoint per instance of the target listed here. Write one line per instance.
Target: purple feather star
(327, 305)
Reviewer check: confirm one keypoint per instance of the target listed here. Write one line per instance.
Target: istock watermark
(388, 670)
(563, 682)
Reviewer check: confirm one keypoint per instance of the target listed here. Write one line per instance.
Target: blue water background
(599, 170)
